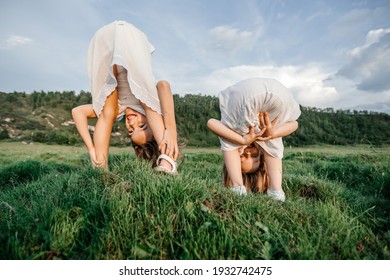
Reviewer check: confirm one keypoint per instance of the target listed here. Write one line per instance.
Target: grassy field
(54, 206)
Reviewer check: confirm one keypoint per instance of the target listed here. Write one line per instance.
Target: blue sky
(329, 53)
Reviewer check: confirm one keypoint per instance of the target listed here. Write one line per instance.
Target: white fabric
(241, 103)
(122, 44)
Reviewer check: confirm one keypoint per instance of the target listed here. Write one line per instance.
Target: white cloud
(204, 46)
(229, 39)
(364, 77)
(312, 85)
(369, 65)
(355, 98)
(372, 37)
(306, 82)
(14, 41)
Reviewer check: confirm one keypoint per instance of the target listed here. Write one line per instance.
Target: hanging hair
(256, 182)
(149, 151)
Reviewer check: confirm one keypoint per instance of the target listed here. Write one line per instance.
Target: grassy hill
(54, 206)
(46, 118)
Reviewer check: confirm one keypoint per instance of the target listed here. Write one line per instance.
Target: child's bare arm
(80, 116)
(225, 132)
(169, 144)
(274, 131)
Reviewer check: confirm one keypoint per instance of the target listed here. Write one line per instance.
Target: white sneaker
(277, 195)
(240, 190)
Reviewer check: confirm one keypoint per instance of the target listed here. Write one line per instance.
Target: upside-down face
(138, 127)
(250, 159)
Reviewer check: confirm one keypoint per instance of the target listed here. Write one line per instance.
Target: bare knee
(163, 85)
(75, 111)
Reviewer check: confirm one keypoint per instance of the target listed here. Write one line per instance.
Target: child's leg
(233, 167)
(103, 129)
(274, 169)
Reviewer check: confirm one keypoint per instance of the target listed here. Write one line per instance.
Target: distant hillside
(46, 117)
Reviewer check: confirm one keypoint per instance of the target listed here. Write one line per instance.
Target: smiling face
(250, 159)
(137, 127)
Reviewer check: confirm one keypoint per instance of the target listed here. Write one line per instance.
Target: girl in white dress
(255, 114)
(122, 84)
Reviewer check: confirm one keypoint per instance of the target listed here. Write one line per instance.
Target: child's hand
(269, 126)
(169, 145)
(252, 136)
(92, 156)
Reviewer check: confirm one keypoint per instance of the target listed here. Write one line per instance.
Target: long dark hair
(256, 182)
(149, 151)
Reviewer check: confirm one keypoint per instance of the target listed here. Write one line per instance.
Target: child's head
(253, 169)
(138, 127)
(141, 136)
(250, 159)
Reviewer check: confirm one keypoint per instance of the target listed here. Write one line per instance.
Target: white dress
(126, 46)
(241, 103)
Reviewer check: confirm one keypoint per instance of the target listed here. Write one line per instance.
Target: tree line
(46, 117)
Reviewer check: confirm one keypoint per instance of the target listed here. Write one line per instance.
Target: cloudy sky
(330, 53)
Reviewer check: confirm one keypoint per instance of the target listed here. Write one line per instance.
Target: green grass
(54, 206)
